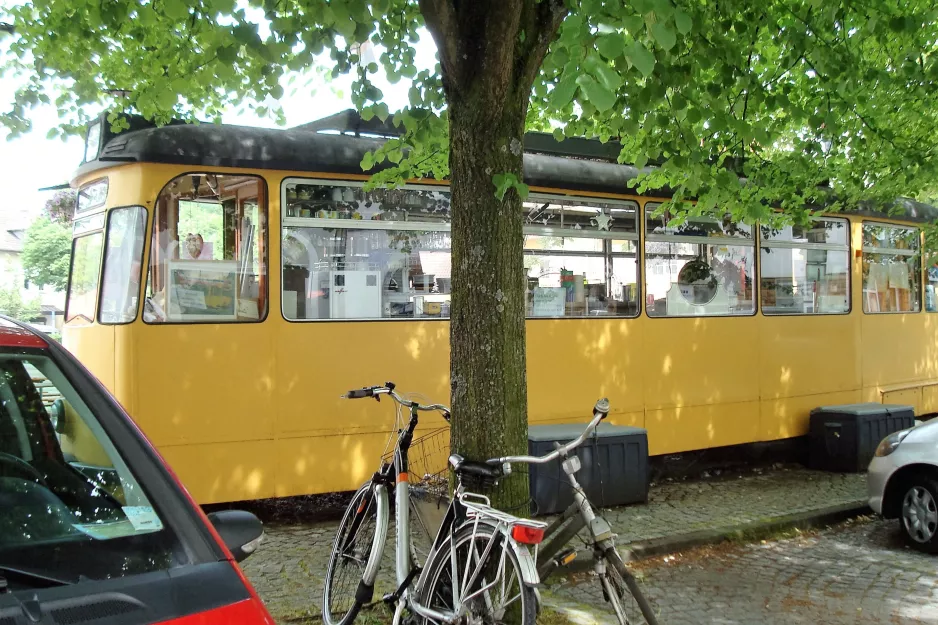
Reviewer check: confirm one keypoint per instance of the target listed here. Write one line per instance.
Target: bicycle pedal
(565, 557)
(389, 598)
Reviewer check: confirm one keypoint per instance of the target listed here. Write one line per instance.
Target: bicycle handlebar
(388, 389)
(600, 412)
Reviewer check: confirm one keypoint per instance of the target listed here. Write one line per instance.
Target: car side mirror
(240, 531)
(57, 414)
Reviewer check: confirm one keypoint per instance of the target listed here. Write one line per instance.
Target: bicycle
(480, 567)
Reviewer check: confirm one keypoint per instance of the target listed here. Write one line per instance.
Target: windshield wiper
(41, 580)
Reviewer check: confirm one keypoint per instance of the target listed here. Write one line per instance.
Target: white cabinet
(354, 294)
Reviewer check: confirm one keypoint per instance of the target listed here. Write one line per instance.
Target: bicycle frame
(564, 528)
(464, 509)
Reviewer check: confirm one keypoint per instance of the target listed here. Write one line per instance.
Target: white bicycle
(482, 566)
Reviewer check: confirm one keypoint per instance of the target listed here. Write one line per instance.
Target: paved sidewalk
(288, 568)
(859, 572)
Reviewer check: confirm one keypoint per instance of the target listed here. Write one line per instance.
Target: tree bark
(490, 52)
(487, 332)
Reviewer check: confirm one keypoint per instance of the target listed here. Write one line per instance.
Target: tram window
(891, 268)
(703, 266)
(92, 195)
(806, 269)
(345, 273)
(83, 281)
(580, 277)
(208, 256)
(355, 254)
(120, 288)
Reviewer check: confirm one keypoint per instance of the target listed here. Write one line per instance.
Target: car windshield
(71, 508)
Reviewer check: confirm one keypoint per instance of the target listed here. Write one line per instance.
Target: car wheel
(919, 515)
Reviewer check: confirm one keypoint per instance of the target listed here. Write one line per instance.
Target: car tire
(918, 513)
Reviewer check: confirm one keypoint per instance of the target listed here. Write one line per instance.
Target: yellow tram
(228, 283)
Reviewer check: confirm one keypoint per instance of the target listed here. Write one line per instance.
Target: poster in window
(203, 290)
(549, 302)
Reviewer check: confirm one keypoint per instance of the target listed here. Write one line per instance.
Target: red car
(94, 527)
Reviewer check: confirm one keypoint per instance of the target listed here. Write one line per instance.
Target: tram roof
(337, 144)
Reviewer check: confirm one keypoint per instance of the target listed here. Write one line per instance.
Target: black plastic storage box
(614, 466)
(844, 438)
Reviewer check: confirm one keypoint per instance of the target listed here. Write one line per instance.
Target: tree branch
(545, 19)
(440, 18)
(6, 28)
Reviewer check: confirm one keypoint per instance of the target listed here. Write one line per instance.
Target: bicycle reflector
(527, 534)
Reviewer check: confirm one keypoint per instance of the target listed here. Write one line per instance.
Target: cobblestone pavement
(288, 568)
(684, 507)
(859, 572)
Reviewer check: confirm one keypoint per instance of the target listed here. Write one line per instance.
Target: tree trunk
(487, 335)
(490, 51)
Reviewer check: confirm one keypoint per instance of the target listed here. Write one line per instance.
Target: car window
(70, 503)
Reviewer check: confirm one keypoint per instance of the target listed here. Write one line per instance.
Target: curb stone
(754, 530)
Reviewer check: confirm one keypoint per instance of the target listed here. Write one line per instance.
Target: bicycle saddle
(464, 467)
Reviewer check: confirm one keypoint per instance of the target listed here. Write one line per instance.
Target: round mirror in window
(698, 282)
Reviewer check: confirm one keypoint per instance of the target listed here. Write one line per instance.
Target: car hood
(925, 433)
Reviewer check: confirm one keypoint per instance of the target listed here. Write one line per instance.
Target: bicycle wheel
(357, 538)
(621, 589)
(489, 590)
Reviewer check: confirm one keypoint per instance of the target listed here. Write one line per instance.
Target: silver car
(903, 483)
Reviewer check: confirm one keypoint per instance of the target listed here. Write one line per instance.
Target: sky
(32, 161)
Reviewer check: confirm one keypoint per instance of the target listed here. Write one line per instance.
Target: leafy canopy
(46, 253)
(810, 101)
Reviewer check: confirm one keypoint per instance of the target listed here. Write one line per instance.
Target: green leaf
(694, 115)
(761, 135)
(227, 54)
(502, 183)
(244, 34)
(558, 134)
(368, 161)
(381, 110)
(598, 95)
(611, 46)
(683, 22)
(601, 71)
(563, 93)
(634, 24)
(639, 56)
(663, 9)
(664, 35)
(641, 160)
(175, 9)
(165, 98)
(345, 27)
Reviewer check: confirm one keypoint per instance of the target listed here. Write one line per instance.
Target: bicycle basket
(426, 461)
